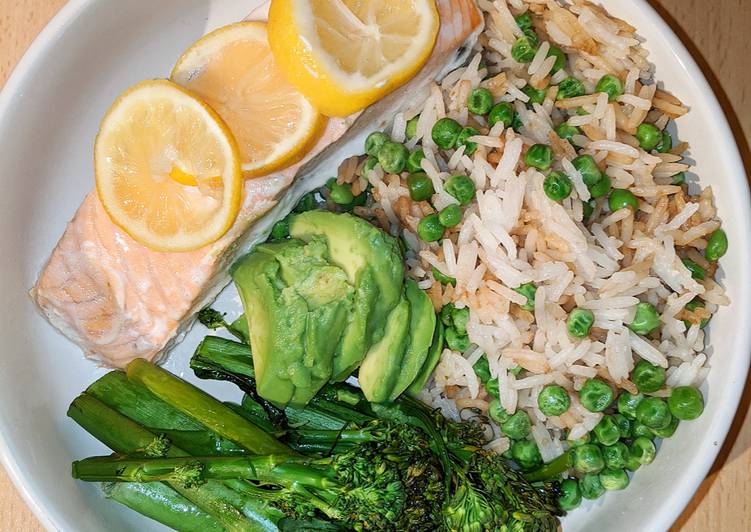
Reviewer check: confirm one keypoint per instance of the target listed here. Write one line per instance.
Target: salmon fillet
(119, 300)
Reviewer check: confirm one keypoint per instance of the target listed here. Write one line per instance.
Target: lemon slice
(346, 54)
(233, 70)
(167, 168)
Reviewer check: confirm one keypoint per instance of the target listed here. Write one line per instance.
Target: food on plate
(119, 300)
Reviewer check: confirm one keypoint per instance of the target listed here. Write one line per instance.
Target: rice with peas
(512, 233)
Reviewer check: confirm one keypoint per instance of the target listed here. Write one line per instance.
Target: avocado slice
(434, 355)
(374, 266)
(380, 369)
(421, 331)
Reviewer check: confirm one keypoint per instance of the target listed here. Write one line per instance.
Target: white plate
(49, 113)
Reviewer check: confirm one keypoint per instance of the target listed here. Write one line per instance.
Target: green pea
(567, 131)
(624, 425)
(627, 404)
(443, 279)
(610, 85)
(524, 49)
(648, 136)
(539, 156)
(581, 111)
(460, 319)
(501, 112)
(480, 101)
(532, 36)
(460, 187)
(580, 322)
(717, 245)
(450, 216)
(646, 319)
(524, 21)
(668, 431)
(445, 132)
(581, 441)
(640, 430)
(595, 395)
(414, 160)
(570, 88)
(607, 431)
(455, 340)
(591, 487)
(588, 458)
(420, 186)
(430, 229)
(492, 388)
(632, 464)
(374, 142)
(393, 157)
(516, 370)
(308, 202)
(691, 306)
(560, 59)
(615, 455)
(496, 412)
(588, 169)
(280, 231)
(370, 163)
(516, 123)
(678, 179)
(647, 377)
(482, 369)
(526, 454)
(535, 95)
(341, 194)
(643, 450)
(666, 143)
(463, 140)
(447, 314)
(686, 403)
(557, 186)
(588, 208)
(528, 290)
(654, 413)
(613, 479)
(411, 130)
(601, 188)
(621, 199)
(570, 496)
(697, 272)
(518, 426)
(553, 400)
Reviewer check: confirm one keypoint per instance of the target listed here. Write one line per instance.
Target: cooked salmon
(119, 300)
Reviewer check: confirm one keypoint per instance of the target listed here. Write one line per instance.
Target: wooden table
(717, 33)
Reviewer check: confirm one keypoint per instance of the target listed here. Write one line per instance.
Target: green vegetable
(588, 458)
(632, 464)
(616, 455)
(667, 432)
(528, 290)
(462, 140)
(518, 426)
(420, 186)
(691, 306)
(524, 21)
(492, 388)
(643, 450)
(621, 198)
(639, 429)
(610, 85)
(539, 156)
(526, 454)
(411, 129)
(375, 142)
(393, 157)
(678, 179)
(648, 377)
(570, 497)
(553, 400)
(648, 136)
(624, 424)
(450, 216)
(501, 112)
(535, 95)
(653, 412)
(524, 49)
(441, 278)
(279, 231)
(414, 161)
(666, 143)
(480, 101)
(588, 207)
(570, 88)
(646, 319)
(613, 479)
(697, 272)
(686, 403)
(445, 133)
(460, 187)
(595, 395)
(557, 186)
(627, 404)
(560, 59)
(567, 131)
(341, 194)
(601, 188)
(482, 369)
(588, 169)
(430, 229)
(591, 487)
(580, 322)
(213, 319)
(717, 245)
(496, 412)
(455, 340)
(370, 163)
(607, 431)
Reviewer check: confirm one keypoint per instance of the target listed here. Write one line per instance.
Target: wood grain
(717, 33)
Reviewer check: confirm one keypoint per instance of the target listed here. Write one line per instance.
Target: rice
(512, 233)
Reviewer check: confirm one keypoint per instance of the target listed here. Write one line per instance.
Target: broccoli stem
(163, 504)
(201, 442)
(203, 408)
(552, 469)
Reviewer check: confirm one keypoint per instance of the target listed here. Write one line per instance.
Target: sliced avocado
(373, 264)
(421, 331)
(380, 369)
(434, 355)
